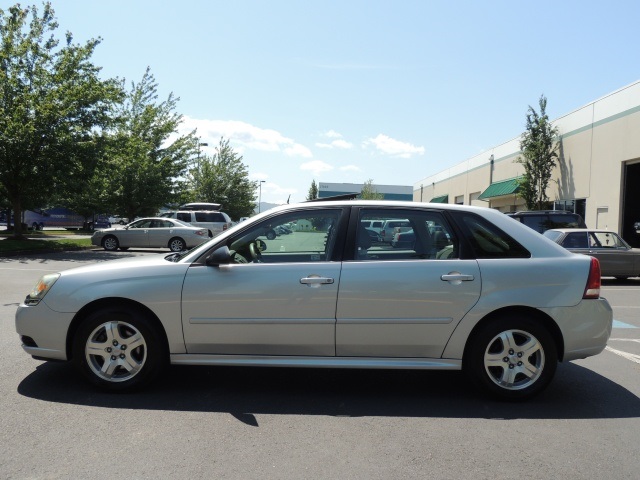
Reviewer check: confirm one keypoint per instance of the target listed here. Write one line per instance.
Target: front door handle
(315, 281)
(456, 278)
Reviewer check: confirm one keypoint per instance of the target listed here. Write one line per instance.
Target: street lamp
(260, 194)
(204, 144)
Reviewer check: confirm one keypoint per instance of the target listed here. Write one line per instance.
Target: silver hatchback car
(327, 296)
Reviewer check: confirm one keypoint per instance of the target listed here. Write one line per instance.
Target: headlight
(41, 288)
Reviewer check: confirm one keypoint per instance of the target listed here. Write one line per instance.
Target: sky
(351, 91)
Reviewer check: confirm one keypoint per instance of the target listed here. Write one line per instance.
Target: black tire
(513, 357)
(271, 235)
(110, 243)
(124, 249)
(119, 349)
(176, 244)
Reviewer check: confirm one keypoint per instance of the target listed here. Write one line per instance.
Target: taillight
(225, 226)
(592, 289)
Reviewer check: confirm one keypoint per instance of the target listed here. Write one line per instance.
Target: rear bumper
(585, 328)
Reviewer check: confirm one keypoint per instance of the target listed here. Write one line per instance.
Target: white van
(215, 221)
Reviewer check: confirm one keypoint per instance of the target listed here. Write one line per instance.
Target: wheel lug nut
(519, 364)
(519, 354)
(123, 347)
(511, 366)
(108, 349)
(115, 343)
(122, 356)
(505, 359)
(113, 357)
(511, 352)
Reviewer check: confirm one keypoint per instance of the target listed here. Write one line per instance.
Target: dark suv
(543, 220)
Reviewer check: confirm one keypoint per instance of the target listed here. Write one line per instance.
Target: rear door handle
(316, 280)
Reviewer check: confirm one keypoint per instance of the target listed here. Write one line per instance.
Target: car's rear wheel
(110, 243)
(177, 244)
(511, 357)
(119, 349)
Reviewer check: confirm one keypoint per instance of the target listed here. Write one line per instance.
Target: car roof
(571, 230)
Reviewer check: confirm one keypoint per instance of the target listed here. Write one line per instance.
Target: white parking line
(628, 356)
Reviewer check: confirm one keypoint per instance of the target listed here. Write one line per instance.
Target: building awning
(499, 189)
(440, 199)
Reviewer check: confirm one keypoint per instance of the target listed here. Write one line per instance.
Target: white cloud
(332, 134)
(245, 135)
(316, 167)
(351, 168)
(342, 144)
(297, 150)
(338, 142)
(395, 148)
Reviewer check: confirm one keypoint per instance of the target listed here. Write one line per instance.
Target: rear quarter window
(488, 241)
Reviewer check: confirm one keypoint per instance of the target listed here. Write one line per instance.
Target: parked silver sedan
(327, 296)
(617, 258)
(151, 233)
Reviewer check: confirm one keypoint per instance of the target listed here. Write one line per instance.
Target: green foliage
(52, 103)
(369, 191)
(144, 159)
(539, 157)
(223, 178)
(313, 191)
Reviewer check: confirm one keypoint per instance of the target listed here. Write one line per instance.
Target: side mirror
(220, 256)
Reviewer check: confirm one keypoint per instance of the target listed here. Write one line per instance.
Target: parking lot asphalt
(245, 423)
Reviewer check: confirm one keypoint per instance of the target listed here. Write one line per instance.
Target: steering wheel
(256, 254)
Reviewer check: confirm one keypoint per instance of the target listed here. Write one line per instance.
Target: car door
(282, 301)
(404, 301)
(160, 232)
(616, 258)
(136, 234)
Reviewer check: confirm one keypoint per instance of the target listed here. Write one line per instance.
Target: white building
(390, 192)
(597, 176)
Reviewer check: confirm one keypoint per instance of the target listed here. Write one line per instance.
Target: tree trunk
(17, 219)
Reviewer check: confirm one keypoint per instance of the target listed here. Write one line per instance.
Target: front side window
(305, 236)
(404, 235)
(141, 224)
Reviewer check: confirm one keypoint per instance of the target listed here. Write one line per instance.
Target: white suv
(215, 221)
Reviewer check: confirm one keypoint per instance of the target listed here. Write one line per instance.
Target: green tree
(539, 156)
(369, 191)
(223, 178)
(52, 103)
(313, 191)
(146, 157)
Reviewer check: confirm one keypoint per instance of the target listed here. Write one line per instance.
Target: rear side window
(184, 216)
(209, 217)
(544, 222)
(488, 241)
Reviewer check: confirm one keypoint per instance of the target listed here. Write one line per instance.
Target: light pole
(260, 194)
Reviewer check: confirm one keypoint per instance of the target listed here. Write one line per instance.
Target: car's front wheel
(511, 357)
(110, 243)
(119, 349)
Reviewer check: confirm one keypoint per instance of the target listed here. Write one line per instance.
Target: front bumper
(46, 331)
